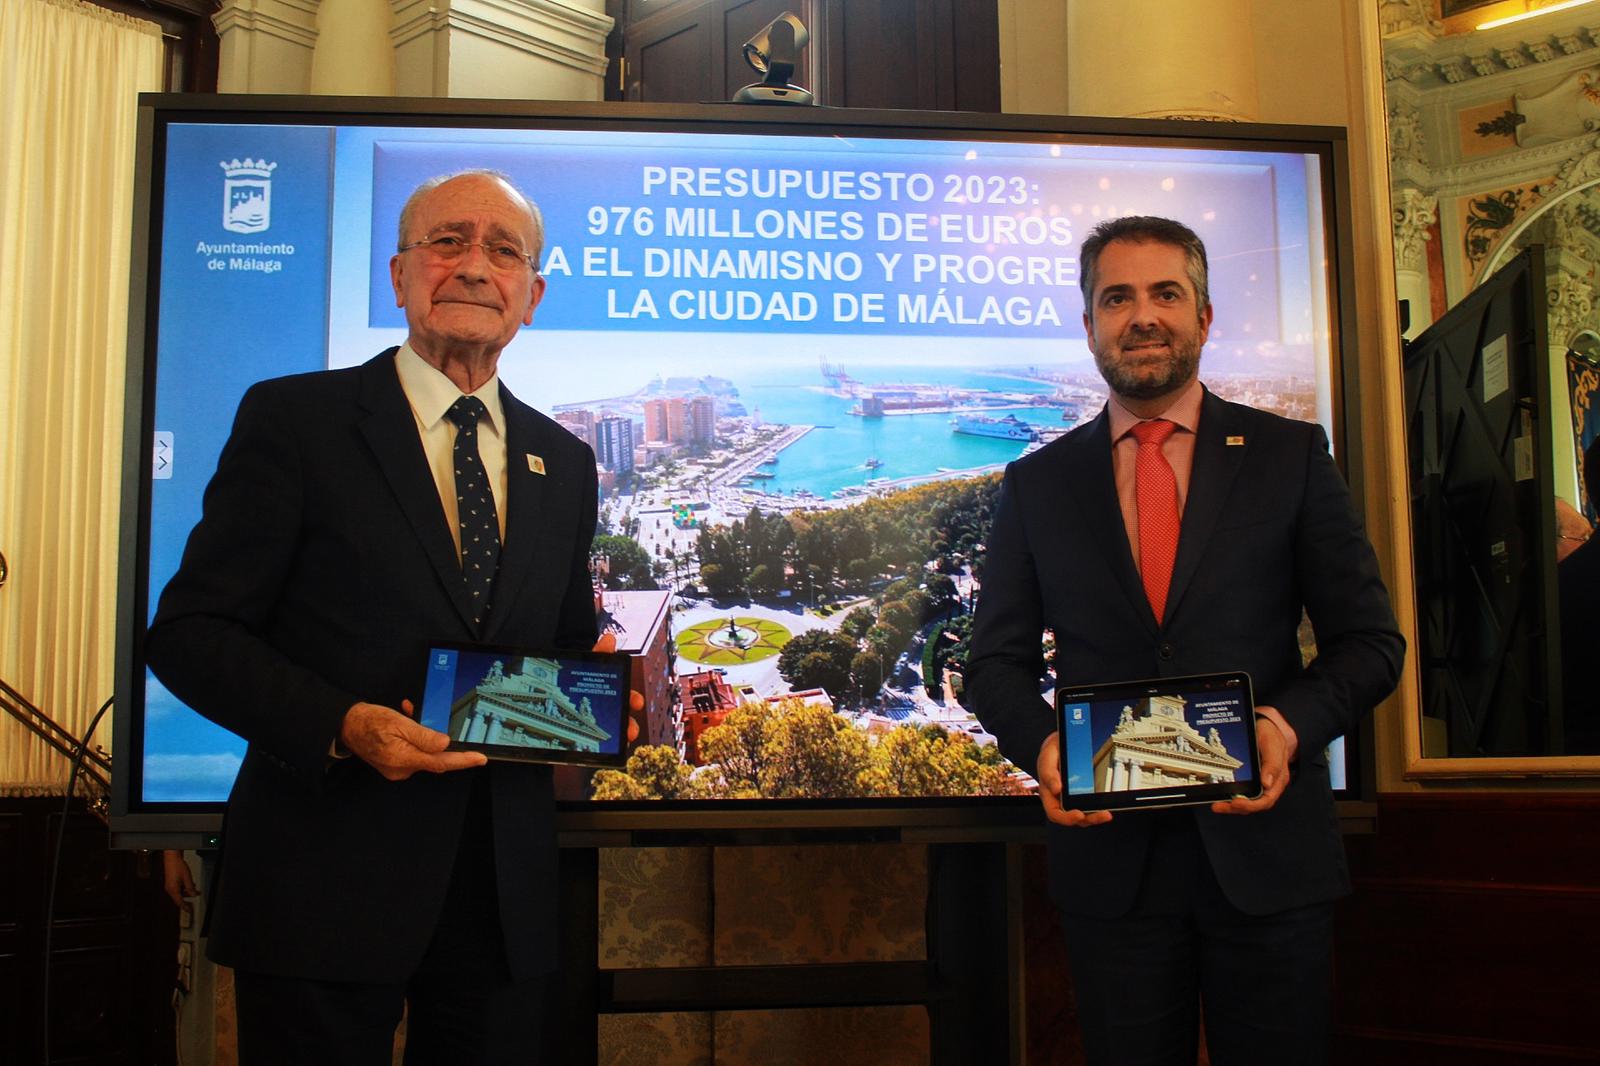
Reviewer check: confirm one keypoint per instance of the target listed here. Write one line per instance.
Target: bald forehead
(457, 201)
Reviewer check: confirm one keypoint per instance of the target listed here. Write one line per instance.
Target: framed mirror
(1494, 145)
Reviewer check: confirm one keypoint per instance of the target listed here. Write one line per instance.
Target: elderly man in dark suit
(1180, 534)
(355, 516)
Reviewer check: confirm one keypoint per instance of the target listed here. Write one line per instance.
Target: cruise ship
(1008, 428)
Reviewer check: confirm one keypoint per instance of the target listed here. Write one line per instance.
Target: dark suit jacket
(320, 569)
(1268, 527)
(1578, 581)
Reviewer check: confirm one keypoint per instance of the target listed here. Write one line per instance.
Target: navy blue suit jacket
(1268, 528)
(320, 569)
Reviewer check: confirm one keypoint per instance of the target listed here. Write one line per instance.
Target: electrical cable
(55, 869)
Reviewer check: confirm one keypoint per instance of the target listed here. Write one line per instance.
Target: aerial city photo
(806, 542)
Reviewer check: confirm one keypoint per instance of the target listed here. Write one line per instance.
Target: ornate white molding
(1191, 116)
(1414, 213)
(1571, 308)
(1428, 61)
(1398, 16)
(552, 30)
(1568, 157)
(1581, 170)
(1406, 140)
(294, 21)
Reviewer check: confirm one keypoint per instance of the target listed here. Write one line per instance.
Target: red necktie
(1157, 491)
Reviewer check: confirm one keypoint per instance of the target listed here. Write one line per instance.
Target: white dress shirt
(430, 394)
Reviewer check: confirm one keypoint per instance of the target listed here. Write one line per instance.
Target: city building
(702, 419)
(677, 419)
(655, 420)
(642, 626)
(613, 443)
(580, 423)
(1153, 746)
(704, 700)
(519, 704)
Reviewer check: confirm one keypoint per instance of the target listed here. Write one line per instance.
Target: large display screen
(803, 345)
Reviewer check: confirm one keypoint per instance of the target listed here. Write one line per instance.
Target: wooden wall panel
(1472, 932)
(114, 945)
(1470, 938)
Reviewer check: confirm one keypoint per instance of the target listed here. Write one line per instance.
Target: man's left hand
(1274, 750)
(608, 643)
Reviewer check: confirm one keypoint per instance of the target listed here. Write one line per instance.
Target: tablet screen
(534, 705)
(1157, 743)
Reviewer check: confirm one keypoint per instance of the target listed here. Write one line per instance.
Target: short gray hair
(1140, 229)
(522, 199)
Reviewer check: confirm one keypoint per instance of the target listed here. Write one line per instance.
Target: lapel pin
(1234, 442)
(535, 464)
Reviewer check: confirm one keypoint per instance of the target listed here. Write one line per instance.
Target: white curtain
(69, 79)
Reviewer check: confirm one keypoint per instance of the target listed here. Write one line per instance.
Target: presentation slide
(1180, 739)
(847, 333)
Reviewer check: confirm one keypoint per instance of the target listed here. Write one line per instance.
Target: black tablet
(528, 704)
(1164, 742)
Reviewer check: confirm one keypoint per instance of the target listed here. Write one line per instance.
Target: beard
(1147, 375)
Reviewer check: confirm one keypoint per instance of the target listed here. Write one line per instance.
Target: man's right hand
(1049, 778)
(398, 746)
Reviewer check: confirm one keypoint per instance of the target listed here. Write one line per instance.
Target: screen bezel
(140, 823)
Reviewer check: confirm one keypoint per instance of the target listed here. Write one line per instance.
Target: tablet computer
(1163, 742)
(528, 704)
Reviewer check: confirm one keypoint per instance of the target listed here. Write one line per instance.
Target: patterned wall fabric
(764, 906)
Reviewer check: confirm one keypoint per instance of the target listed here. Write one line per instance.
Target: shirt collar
(1184, 411)
(431, 393)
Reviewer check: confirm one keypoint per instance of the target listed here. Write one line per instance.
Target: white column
(516, 49)
(353, 54)
(265, 45)
(496, 724)
(1414, 213)
(1159, 59)
(1133, 774)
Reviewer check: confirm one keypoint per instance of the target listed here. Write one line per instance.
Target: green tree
(942, 595)
(855, 624)
(929, 761)
(629, 562)
(866, 674)
(736, 746)
(765, 580)
(810, 752)
(653, 772)
(817, 659)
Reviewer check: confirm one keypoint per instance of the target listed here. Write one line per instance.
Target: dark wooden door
(916, 54)
(692, 51)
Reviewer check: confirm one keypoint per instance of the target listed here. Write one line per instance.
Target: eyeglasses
(449, 248)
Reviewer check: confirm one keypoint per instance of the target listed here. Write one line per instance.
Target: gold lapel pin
(535, 464)
(1234, 442)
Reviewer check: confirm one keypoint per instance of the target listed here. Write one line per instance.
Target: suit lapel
(525, 492)
(391, 433)
(1101, 511)
(1216, 464)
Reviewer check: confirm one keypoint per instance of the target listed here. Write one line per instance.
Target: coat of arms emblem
(247, 195)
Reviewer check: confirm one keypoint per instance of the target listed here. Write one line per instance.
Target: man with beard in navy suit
(1180, 534)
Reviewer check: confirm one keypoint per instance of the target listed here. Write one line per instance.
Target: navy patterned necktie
(476, 518)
